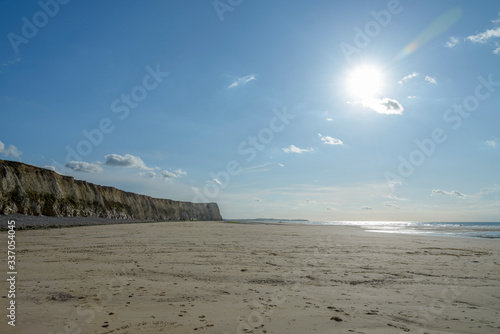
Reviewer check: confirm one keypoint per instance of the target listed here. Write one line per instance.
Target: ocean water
(444, 229)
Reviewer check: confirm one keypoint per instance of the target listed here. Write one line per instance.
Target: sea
(484, 230)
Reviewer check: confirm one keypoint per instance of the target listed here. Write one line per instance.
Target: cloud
(366, 208)
(164, 174)
(256, 199)
(392, 205)
(9, 150)
(52, 168)
(394, 197)
(82, 166)
(383, 106)
(128, 161)
(242, 81)
(329, 119)
(408, 77)
(452, 42)
(412, 97)
(484, 37)
(448, 193)
(416, 75)
(431, 80)
(330, 140)
(295, 149)
(214, 181)
(280, 164)
(492, 143)
(150, 174)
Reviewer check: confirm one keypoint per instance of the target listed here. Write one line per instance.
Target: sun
(365, 82)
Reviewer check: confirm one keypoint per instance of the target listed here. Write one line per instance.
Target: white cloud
(486, 36)
(281, 165)
(416, 75)
(492, 143)
(366, 208)
(452, 42)
(383, 106)
(408, 77)
(215, 181)
(242, 81)
(82, 166)
(165, 174)
(329, 119)
(295, 149)
(448, 193)
(330, 140)
(9, 150)
(256, 199)
(180, 172)
(128, 161)
(483, 37)
(394, 197)
(52, 168)
(412, 97)
(431, 80)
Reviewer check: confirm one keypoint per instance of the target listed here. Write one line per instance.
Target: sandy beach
(215, 277)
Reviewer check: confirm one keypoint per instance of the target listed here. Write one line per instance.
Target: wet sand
(214, 277)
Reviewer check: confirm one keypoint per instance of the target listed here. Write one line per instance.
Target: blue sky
(366, 110)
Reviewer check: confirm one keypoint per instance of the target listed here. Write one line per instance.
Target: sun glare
(365, 82)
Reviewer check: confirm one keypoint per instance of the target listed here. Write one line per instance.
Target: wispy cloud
(452, 42)
(408, 77)
(431, 79)
(164, 174)
(330, 140)
(448, 193)
(394, 197)
(82, 166)
(242, 81)
(366, 208)
(417, 75)
(383, 106)
(392, 205)
(9, 150)
(257, 199)
(487, 36)
(493, 142)
(295, 149)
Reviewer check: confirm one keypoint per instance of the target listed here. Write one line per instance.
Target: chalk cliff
(37, 191)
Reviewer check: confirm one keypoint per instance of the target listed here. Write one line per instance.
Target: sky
(320, 110)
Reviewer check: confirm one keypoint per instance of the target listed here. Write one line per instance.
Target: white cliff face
(36, 191)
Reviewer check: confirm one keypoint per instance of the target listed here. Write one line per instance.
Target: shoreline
(216, 277)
